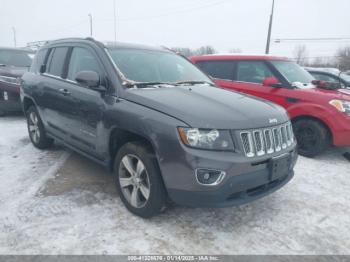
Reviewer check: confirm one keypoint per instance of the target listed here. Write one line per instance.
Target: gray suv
(158, 123)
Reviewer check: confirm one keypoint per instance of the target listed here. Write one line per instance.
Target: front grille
(268, 140)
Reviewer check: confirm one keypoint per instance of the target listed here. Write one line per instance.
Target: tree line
(340, 59)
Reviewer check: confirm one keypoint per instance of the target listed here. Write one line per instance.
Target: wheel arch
(26, 103)
(119, 137)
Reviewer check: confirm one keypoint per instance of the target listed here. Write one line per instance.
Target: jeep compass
(159, 123)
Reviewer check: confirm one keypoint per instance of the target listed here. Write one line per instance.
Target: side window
(82, 60)
(38, 61)
(324, 77)
(252, 71)
(218, 69)
(56, 63)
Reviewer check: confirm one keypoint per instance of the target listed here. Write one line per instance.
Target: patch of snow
(310, 215)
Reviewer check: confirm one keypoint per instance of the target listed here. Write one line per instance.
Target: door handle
(64, 91)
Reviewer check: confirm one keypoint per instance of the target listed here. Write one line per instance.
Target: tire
(312, 137)
(139, 181)
(36, 130)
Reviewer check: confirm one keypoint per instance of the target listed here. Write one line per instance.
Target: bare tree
(235, 50)
(206, 50)
(300, 54)
(184, 51)
(343, 58)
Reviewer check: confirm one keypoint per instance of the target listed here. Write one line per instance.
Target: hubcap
(34, 131)
(134, 181)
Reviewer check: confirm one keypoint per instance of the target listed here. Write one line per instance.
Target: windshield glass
(155, 66)
(345, 77)
(16, 58)
(293, 72)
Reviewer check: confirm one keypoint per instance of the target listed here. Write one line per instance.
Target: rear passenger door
(54, 97)
(222, 71)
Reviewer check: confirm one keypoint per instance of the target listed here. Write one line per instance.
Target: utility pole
(90, 18)
(14, 36)
(115, 21)
(267, 50)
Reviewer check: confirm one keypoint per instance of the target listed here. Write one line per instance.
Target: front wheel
(312, 136)
(139, 181)
(36, 130)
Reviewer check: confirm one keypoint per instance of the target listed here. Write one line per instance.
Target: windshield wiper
(131, 83)
(194, 83)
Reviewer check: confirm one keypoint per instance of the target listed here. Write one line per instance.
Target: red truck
(320, 112)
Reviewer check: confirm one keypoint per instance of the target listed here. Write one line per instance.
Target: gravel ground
(57, 202)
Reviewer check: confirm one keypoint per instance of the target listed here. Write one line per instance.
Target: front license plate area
(279, 166)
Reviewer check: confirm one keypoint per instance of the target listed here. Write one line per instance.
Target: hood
(319, 94)
(205, 106)
(12, 71)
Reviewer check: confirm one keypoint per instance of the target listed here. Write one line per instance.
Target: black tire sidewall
(322, 133)
(157, 199)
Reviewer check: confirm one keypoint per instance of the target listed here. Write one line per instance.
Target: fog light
(209, 177)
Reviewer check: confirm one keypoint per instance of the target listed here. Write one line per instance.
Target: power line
(279, 40)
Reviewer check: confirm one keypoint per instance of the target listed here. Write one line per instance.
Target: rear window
(57, 61)
(16, 58)
(218, 69)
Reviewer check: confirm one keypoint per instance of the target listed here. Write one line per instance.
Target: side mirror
(88, 79)
(326, 85)
(271, 81)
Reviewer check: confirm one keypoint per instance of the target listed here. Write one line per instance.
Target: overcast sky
(224, 24)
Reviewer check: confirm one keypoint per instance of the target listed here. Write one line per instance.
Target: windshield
(16, 58)
(345, 77)
(293, 72)
(156, 66)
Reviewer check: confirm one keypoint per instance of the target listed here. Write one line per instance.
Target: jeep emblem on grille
(273, 121)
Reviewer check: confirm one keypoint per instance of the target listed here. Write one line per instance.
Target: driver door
(249, 77)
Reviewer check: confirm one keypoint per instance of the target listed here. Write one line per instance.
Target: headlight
(341, 105)
(211, 139)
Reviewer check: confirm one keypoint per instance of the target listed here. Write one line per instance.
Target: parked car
(320, 114)
(334, 76)
(13, 63)
(158, 123)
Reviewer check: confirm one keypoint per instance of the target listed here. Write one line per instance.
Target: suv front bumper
(246, 179)
(236, 191)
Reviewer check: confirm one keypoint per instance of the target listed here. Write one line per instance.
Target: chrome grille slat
(267, 141)
(283, 136)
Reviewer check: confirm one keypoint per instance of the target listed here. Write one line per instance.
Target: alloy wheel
(34, 130)
(134, 181)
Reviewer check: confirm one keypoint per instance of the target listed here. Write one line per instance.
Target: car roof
(105, 44)
(238, 57)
